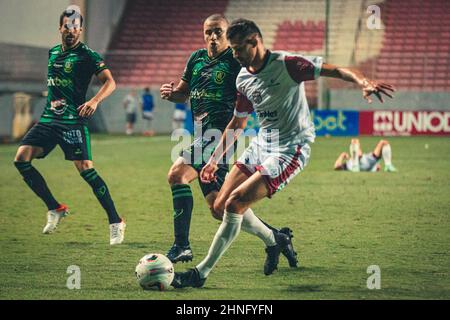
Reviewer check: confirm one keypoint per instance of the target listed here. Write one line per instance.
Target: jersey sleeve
(243, 106)
(303, 68)
(97, 63)
(187, 73)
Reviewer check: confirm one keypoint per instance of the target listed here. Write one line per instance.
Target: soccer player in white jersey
(271, 83)
(358, 161)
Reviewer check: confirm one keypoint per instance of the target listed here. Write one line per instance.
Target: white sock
(251, 224)
(386, 152)
(227, 232)
(354, 151)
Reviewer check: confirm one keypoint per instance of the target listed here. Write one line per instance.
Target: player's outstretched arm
(233, 130)
(88, 108)
(179, 94)
(368, 86)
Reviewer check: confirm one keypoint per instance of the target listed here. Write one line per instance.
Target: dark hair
(147, 89)
(68, 14)
(242, 28)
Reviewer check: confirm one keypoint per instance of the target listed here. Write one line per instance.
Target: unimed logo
(407, 122)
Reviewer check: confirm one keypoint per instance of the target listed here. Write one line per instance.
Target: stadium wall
(102, 19)
(109, 118)
(6, 115)
(113, 114)
(30, 22)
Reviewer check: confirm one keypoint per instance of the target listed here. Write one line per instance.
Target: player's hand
(207, 175)
(166, 90)
(378, 88)
(88, 108)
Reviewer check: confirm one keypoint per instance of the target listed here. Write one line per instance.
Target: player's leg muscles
(233, 180)
(379, 147)
(179, 177)
(250, 223)
(252, 190)
(99, 187)
(237, 203)
(383, 149)
(28, 153)
(25, 154)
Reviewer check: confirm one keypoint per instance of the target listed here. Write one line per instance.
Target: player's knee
(217, 210)
(83, 165)
(174, 177)
(22, 155)
(234, 202)
(218, 215)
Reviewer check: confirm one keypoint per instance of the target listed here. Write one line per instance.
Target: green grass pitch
(343, 222)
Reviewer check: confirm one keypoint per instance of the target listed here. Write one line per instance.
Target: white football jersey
(277, 94)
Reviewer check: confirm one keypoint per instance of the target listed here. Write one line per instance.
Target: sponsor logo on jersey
(57, 82)
(256, 96)
(267, 114)
(68, 65)
(273, 83)
(219, 77)
(196, 69)
(58, 106)
(203, 94)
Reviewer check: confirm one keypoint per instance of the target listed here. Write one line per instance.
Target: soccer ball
(154, 270)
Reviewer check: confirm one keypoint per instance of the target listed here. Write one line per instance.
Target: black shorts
(131, 117)
(74, 139)
(197, 155)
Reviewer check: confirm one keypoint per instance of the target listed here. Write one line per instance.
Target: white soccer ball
(154, 270)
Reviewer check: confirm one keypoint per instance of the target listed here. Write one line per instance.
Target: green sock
(36, 183)
(102, 193)
(183, 203)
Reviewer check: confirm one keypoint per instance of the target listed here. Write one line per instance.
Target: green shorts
(74, 139)
(197, 155)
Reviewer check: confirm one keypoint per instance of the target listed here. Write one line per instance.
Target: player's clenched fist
(166, 90)
(207, 174)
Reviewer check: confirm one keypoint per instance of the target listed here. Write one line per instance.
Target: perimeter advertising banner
(335, 122)
(373, 123)
(404, 123)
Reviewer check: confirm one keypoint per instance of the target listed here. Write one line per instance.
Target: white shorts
(368, 162)
(147, 115)
(179, 115)
(277, 167)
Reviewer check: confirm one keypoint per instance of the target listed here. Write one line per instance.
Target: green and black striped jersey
(212, 84)
(69, 75)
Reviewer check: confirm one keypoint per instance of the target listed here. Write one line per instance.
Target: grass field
(343, 223)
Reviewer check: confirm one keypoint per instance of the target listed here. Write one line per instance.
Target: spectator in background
(130, 103)
(179, 115)
(147, 112)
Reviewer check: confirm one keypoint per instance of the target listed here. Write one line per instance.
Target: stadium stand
(415, 50)
(153, 41)
(19, 63)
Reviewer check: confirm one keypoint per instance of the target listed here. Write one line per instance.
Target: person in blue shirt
(147, 112)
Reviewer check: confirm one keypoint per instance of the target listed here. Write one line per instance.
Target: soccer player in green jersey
(209, 80)
(63, 122)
